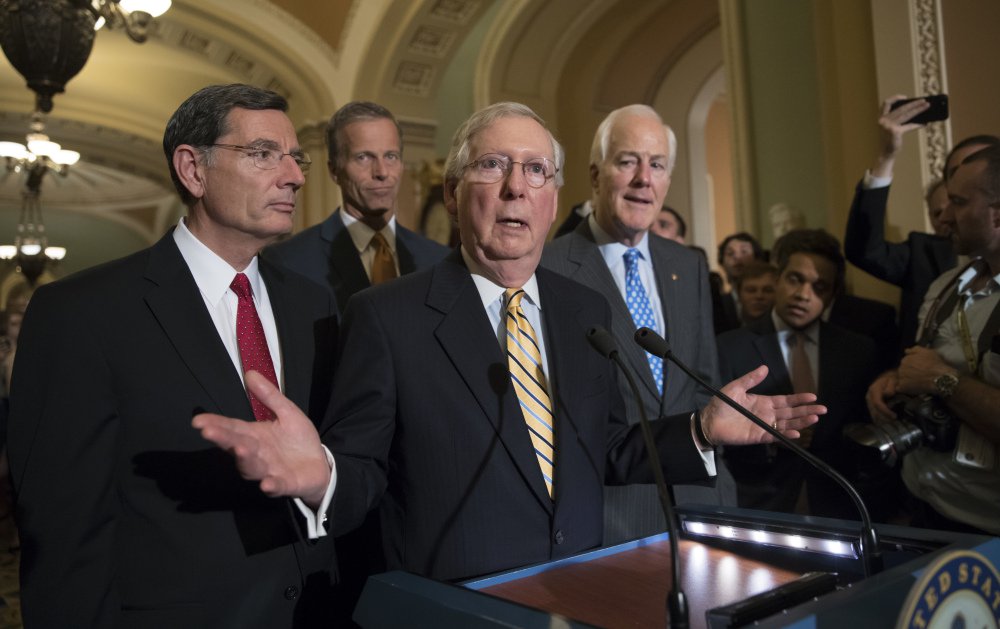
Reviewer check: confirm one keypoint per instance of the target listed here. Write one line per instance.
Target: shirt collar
(970, 273)
(611, 249)
(783, 329)
(490, 291)
(361, 234)
(212, 274)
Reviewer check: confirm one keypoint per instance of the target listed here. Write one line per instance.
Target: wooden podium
(730, 557)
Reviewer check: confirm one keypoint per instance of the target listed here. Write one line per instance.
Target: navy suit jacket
(326, 254)
(427, 410)
(128, 518)
(911, 265)
(846, 367)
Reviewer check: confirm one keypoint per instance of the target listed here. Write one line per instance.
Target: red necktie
(253, 345)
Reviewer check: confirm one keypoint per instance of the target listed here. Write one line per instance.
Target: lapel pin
(673, 276)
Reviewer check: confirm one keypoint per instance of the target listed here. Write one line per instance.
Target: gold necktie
(383, 264)
(525, 363)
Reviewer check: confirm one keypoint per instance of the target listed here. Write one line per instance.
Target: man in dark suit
(630, 164)
(838, 366)
(915, 263)
(472, 395)
(365, 158)
(127, 519)
(868, 317)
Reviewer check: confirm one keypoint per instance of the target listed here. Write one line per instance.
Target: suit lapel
(666, 285)
(293, 334)
(766, 344)
(347, 274)
(175, 301)
(406, 262)
(472, 346)
(593, 271)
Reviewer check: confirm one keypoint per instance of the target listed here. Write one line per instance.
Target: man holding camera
(958, 364)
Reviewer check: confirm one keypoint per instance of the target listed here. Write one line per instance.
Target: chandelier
(31, 249)
(49, 41)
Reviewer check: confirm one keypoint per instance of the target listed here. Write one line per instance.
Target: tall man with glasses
(649, 282)
(361, 243)
(472, 397)
(127, 517)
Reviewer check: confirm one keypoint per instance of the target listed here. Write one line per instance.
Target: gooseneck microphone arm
(677, 607)
(868, 546)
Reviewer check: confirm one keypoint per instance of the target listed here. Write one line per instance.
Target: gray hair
(458, 156)
(602, 137)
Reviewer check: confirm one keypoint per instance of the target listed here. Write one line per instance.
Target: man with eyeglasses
(360, 244)
(127, 517)
(648, 282)
(470, 396)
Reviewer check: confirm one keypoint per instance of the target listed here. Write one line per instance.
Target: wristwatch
(944, 385)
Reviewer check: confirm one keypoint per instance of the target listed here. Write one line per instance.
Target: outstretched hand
(284, 454)
(786, 413)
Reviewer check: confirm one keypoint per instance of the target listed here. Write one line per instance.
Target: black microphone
(868, 547)
(677, 606)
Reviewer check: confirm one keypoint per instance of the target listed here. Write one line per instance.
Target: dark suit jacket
(571, 222)
(911, 265)
(326, 254)
(871, 318)
(128, 518)
(428, 408)
(846, 368)
(682, 283)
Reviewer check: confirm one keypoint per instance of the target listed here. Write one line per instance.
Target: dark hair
(984, 139)
(758, 251)
(990, 155)
(815, 241)
(203, 118)
(682, 227)
(350, 113)
(754, 270)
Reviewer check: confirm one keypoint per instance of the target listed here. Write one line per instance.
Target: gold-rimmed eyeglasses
(269, 158)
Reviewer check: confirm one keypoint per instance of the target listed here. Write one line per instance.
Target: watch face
(945, 384)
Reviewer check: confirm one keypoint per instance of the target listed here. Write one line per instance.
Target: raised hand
(284, 454)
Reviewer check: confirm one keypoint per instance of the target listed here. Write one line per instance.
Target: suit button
(559, 537)
(291, 592)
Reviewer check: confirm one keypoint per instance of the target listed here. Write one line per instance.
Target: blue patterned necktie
(641, 310)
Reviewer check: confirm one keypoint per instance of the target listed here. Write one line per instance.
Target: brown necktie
(383, 264)
(252, 343)
(802, 377)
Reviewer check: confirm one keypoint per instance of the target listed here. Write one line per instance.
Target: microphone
(677, 607)
(868, 548)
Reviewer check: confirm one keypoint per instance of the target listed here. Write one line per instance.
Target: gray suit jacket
(325, 254)
(682, 282)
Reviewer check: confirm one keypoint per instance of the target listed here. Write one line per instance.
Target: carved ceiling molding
(929, 41)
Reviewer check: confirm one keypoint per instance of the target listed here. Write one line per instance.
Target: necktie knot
(513, 297)
(378, 242)
(631, 258)
(241, 286)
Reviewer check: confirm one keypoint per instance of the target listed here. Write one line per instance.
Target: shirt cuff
(316, 521)
(870, 181)
(707, 455)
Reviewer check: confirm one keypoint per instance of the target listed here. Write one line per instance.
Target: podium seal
(961, 589)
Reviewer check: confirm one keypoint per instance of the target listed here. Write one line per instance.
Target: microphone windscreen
(601, 340)
(652, 342)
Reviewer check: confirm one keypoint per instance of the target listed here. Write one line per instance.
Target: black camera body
(922, 419)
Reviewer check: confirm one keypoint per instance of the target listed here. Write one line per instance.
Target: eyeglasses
(267, 158)
(492, 167)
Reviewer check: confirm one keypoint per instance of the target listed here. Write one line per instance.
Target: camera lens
(883, 443)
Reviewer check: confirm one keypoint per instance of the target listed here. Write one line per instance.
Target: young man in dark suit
(480, 476)
(361, 243)
(803, 353)
(127, 519)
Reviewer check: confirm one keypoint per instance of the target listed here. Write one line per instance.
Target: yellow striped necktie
(525, 363)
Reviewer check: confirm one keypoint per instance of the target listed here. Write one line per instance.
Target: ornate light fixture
(49, 41)
(31, 248)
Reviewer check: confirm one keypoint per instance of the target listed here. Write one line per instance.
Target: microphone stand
(868, 546)
(677, 606)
